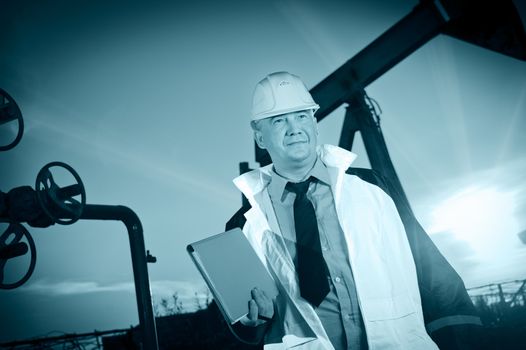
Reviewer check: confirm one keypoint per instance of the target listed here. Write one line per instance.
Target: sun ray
(512, 128)
(445, 79)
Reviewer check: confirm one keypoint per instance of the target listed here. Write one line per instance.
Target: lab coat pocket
(388, 308)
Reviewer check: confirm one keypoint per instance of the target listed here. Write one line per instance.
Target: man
(353, 270)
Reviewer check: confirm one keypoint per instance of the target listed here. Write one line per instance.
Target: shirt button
(324, 248)
(347, 316)
(337, 279)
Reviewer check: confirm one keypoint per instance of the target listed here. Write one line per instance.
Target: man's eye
(277, 121)
(302, 116)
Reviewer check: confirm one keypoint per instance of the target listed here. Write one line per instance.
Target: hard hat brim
(274, 113)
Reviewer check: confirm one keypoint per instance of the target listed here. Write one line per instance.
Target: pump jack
(495, 25)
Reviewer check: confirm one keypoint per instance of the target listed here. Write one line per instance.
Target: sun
(483, 217)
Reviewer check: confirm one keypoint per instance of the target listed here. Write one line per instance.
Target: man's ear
(259, 139)
(316, 125)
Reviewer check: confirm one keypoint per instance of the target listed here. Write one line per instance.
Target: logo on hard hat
(284, 82)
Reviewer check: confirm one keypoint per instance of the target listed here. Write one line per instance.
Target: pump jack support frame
(358, 117)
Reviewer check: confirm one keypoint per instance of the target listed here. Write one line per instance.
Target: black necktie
(312, 269)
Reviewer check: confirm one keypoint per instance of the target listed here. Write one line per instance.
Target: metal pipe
(139, 263)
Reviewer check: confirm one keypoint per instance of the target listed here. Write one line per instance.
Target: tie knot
(300, 188)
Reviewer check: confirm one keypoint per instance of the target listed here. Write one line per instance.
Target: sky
(150, 102)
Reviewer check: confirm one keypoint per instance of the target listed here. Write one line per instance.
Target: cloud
(505, 178)
(62, 288)
(161, 288)
(474, 220)
(166, 288)
(187, 293)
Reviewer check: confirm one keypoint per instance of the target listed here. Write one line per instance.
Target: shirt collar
(336, 159)
(277, 183)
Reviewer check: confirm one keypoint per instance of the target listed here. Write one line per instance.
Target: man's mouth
(292, 143)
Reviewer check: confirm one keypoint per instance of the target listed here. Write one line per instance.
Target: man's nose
(293, 126)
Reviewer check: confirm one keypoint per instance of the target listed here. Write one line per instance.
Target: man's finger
(259, 296)
(265, 305)
(252, 310)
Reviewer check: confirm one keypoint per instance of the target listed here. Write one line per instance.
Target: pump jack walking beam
(494, 24)
(414, 30)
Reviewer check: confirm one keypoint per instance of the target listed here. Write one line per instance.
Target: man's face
(290, 138)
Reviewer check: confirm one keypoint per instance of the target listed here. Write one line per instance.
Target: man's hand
(251, 328)
(260, 308)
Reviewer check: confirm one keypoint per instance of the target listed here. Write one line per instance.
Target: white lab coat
(379, 255)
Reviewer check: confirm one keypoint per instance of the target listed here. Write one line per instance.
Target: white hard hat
(280, 93)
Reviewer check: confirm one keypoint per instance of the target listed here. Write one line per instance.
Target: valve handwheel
(9, 111)
(58, 202)
(11, 248)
